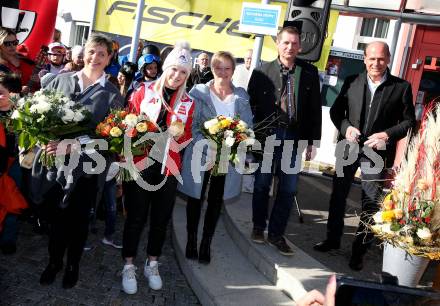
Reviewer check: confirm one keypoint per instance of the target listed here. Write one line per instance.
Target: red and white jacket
(147, 101)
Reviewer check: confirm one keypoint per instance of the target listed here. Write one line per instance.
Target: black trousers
(215, 201)
(138, 202)
(70, 226)
(371, 194)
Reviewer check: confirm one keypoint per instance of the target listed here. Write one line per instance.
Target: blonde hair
(160, 85)
(221, 56)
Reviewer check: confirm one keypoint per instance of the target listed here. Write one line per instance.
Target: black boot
(191, 246)
(205, 250)
(70, 276)
(49, 274)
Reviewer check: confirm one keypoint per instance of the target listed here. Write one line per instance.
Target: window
(371, 29)
(375, 27)
(361, 46)
(81, 34)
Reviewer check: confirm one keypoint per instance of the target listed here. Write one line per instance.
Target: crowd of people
(373, 109)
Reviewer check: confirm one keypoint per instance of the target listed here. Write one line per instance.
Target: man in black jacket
(202, 73)
(372, 112)
(284, 93)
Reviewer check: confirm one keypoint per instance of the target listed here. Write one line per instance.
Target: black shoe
(326, 245)
(49, 274)
(257, 236)
(205, 250)
(191, 247)
(9, 249)
(70, 276)
(281, 245)
(356, 263)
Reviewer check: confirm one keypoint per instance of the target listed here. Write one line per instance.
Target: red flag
(34, 21)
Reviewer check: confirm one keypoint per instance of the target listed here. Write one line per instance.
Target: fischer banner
(33, 21)
(206, 25)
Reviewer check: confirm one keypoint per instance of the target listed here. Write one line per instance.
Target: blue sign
(259, 18)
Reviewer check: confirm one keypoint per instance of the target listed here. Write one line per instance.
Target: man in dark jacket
(372, 112)
(202, 73)
(284, 93)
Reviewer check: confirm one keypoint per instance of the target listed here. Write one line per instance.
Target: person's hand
(52, 146)
(352, 134)
(377, 140)
(310, 152)
(311, 298)
(316, 298)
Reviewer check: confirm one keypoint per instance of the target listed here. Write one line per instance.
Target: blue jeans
(109, 194)
(287, 186)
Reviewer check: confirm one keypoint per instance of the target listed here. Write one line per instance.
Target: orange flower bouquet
(123, 131)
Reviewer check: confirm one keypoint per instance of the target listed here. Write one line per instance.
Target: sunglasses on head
(11, 43)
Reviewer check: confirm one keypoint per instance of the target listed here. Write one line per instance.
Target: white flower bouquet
(410, 214)
(46, 116)
(229, 132)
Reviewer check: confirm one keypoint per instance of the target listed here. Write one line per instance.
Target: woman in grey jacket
(217, 97)
(70, 201)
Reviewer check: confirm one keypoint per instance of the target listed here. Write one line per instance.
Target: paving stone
(100, 280)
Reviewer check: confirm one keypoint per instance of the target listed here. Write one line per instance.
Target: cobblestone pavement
(99, 281)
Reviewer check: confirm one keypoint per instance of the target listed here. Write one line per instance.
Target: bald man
(202, 73)
(242, 72)
(372, 112)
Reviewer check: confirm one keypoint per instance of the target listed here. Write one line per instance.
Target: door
(428, 79)
(423, 71)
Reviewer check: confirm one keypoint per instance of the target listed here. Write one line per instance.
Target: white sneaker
(151, 271)
(111, 243)
(129, 284)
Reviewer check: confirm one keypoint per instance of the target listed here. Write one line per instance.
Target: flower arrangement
(46, 116)
(121, 123)
(230, 132)
(410, 213)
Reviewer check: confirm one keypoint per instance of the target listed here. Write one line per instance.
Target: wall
(80, 10)
(345, 31)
